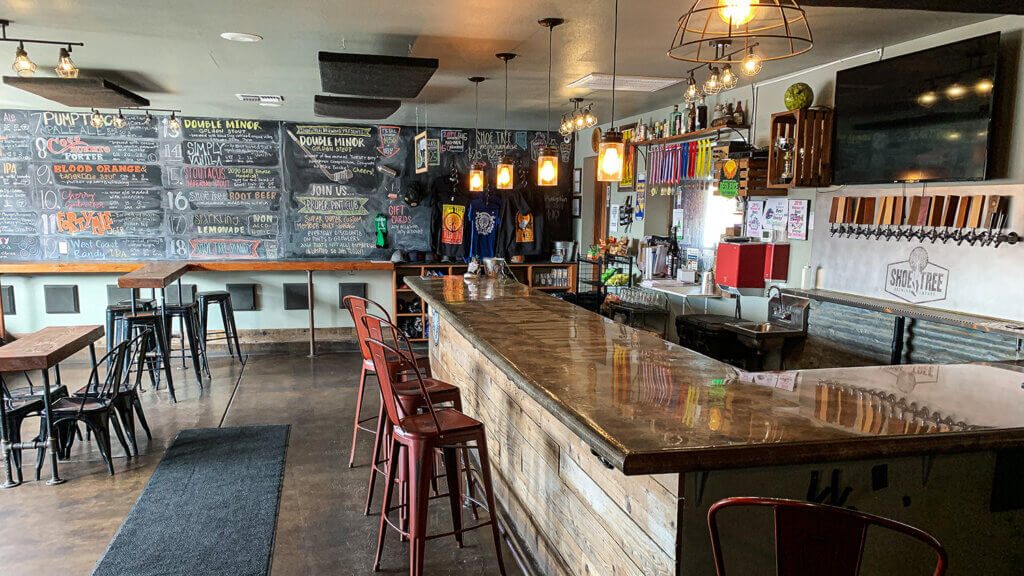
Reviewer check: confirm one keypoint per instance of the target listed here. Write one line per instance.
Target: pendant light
(120, 121)
(611, 150)
(547, 160)
(779, 27)
(65, 66)
(729, 78)
(23, 66)
(96, 120)
(173, 125)
(477, 178)
(504, 179)
(693, 92)
(713, 85)
(752, 63)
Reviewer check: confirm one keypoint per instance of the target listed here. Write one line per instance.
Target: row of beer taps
(993, 235)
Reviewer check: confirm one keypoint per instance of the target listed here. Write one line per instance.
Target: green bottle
(380, 227)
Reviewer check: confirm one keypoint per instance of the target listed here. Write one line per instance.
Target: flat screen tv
(922, 117)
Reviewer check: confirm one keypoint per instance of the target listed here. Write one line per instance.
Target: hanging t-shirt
(484, 220)
(450, 211)
(522, 227)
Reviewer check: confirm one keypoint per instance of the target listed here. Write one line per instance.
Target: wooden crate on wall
(812, 152)
(752, 174)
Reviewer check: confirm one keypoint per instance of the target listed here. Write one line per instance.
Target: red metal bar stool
(818, 540)
(415, 439)
(412, 403)
(359, 307)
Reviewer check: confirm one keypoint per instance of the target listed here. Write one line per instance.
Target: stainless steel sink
(763, 330)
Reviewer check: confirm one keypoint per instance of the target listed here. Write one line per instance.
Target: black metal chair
(96, 406)
(127, 401)
(221, 298)
(19, 405)
(157, 352)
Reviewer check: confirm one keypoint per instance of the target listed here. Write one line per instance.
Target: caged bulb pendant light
(65, 66)
(23, 66)
(611, 149)
(504, 179)
(547, 160)
(477, 179)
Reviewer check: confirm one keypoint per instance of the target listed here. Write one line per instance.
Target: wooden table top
(48, 347)
(649, 406)
(153, 275)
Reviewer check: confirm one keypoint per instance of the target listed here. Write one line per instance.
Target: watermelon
(799, 96)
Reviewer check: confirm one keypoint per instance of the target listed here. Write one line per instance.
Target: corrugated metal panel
(845, 336)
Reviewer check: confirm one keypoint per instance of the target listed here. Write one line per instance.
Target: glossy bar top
(648, 406)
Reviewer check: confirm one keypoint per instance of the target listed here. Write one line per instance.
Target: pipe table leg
(51, 436)
(5, 448)
(309, 304)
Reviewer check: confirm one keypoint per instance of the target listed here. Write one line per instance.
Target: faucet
(786, 314)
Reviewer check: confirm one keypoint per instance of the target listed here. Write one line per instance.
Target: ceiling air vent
(595, 81)
(262, 99)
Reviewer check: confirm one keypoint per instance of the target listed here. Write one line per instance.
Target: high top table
(158, 276)
(41, 351)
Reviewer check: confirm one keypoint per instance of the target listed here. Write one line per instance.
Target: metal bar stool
(156, 340)
(222, 298)
(358, 308)
(115, 315)
(414, 441)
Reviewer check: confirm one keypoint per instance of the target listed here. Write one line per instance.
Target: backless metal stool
(221, 298)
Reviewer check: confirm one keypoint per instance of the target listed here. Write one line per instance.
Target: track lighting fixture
(579, 118)
(65, 66)
(23, 66)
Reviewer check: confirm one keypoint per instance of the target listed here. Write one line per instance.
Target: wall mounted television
(921, 117)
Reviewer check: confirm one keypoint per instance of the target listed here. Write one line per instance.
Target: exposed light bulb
(729, 79)
(713, 85)
(590, 118)
(611, 151)
(65, 66)
(984, 86)
(96, 121)
(504, 178)
(692, 91)
(752, 64)
(579, 121)
(149, 118)
(547, 166)
(736, 12)
(476, 178)
(120, 121)
(23, 66)
(173, 125)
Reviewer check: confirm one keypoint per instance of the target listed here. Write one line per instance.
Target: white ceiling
(171, 52)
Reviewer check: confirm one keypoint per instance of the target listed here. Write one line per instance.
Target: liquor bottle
(737, 116)
(702, 117)
(673, 121)
(691, 124)
(728, 113)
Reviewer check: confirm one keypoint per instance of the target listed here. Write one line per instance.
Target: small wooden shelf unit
(529, 273)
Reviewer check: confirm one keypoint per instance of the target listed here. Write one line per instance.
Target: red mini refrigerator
(776, 262)
(741, 265)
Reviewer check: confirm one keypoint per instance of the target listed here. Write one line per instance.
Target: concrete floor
(321, 527)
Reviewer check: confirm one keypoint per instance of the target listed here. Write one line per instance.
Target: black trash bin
(705, 333)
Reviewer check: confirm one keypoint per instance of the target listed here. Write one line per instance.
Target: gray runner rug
(210, 507)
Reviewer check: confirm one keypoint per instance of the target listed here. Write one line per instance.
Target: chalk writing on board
(229, 129)
(15, 198)
(115, 248)
(453, 140)
(210, 153)
(16, 148)
(19, 247)
(75, 174)
(254, 200)
(254, 225)
(110, 199)
(15, 174)
(80, 124)
(242, 177)
(336, 206)
(389, 140)
(224, 248)
(18, 223)
(104, 223)
(93, 149)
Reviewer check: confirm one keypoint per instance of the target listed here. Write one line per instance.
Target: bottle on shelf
(702, 117)
(691, 123)
(738, 117)
(728, 113)
(673, 121)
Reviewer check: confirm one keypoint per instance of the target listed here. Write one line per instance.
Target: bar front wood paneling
(573, 514)
(99, 267)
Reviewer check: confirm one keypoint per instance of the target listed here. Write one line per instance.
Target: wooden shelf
(690, 135)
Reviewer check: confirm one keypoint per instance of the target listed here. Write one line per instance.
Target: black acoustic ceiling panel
(354, 108)
(79, 92)
(374, 75)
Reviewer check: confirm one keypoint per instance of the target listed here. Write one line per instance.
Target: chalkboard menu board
(221, 188)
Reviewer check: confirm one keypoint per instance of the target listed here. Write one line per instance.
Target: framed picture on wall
(577, 181)
(577, 206)
(422, 157)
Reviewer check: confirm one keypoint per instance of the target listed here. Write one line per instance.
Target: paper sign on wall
(798, 219)
(613, 218)
(755, 213)
(776, 213)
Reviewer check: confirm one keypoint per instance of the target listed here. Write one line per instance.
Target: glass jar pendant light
(477, 178)
(504, 178)
(547, 160)
(611, 150)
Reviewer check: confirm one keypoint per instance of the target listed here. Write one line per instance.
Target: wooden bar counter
(609, 444)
